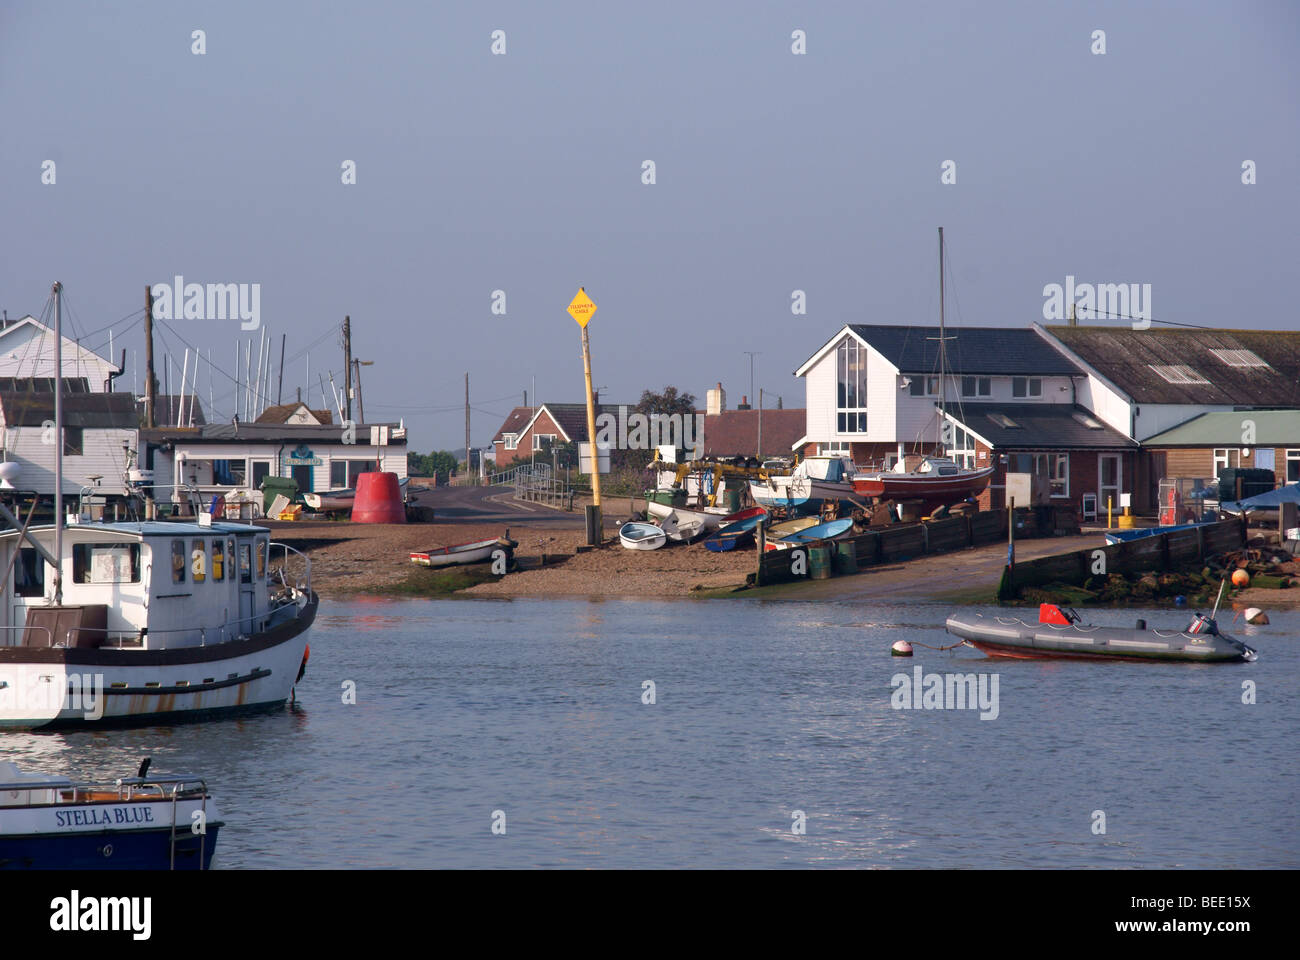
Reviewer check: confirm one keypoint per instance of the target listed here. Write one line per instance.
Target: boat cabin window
(198, 561)
(245, 563)
(261, 559)
(218, 561)
(106, 563)
(29, 573)
(178, 561)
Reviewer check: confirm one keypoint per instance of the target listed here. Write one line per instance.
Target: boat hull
(1004, 637)
(474, 552)
(641, 536)
(935, 491)
(151, 686)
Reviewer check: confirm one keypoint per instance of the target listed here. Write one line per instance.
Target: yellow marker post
(582, 309)
(1109, 502)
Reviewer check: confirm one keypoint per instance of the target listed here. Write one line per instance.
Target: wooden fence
(900, 542)
(1160, 551)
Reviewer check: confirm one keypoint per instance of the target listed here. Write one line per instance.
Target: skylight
(1002, 420)
(1240, 358)
(1087, 421)
(1178, 373)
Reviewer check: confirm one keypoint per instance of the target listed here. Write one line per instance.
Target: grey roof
(1271, 428)
(1042, 426)
(264, 433)
(93, 410)
(1126, 357)
(972, 350)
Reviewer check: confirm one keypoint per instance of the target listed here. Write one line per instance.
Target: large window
(538, 439)
(851, 387)
(106, 563)
(961, 445)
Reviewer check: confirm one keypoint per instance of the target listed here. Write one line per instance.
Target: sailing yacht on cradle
(143, 621)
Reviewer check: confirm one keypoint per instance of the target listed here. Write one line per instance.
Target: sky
(524, 172)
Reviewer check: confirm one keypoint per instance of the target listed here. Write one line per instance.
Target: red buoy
(378, 500)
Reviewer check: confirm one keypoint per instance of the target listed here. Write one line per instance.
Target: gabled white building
(27, 352)
(872, 390)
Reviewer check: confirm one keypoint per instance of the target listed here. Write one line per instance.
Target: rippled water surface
(534, 708)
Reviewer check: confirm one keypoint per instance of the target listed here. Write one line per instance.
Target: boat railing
(304, 584)
(46, 630)
(125, 786)
(222, 631)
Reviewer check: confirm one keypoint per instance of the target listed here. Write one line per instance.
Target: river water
(528, 715)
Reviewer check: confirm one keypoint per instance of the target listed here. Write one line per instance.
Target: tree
(668, 403)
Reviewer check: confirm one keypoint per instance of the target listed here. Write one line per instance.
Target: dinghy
(786, 528)
(821, 531)
(681, 530)
(641, 536)
(474, 551)
(736, 534)
(1058, 634)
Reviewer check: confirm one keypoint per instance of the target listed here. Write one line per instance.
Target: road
(492, 505)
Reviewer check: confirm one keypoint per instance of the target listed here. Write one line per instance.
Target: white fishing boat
(641, 536)
(813, 479)
(473, 551)
(706, 519)
(145, 621)
(140, 822)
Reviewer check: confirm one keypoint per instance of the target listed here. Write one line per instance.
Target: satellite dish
(9, 471)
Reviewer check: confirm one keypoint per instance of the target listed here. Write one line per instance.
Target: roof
(1042, 426)
(153, 528)
(734, 433)
(268, 433)
(166, 409)
(93, 410)
(280, 413)
(1228, 428)
(515, 422)
(992, 351)
(1192, 366)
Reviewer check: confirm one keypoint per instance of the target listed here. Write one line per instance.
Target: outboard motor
(1203, 624)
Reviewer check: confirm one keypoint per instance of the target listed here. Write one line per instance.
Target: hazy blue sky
(523, 173)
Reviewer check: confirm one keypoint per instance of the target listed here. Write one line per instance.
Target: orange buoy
(1240, 578)
(378, 499)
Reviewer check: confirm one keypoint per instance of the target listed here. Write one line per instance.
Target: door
(1109, 481)
(302, 474)
(246, 587)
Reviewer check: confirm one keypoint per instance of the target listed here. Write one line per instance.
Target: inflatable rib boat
(1059, 635)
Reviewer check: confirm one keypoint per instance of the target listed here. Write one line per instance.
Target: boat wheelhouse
(157, 621)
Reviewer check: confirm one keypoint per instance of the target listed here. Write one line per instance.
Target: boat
(682, 530)
(472, 551)
(735, 534)
(748, 513)
(1059, 635)
(937, 481)
(131, 823)
(779, 531)
(119, 622)
(1141, 533)
(812, 481)
(641, 536)
(821, 531)
(337, 501)
(705, 519)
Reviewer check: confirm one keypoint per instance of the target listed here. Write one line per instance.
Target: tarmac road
(491, 505)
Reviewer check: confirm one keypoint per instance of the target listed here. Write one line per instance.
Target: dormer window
(1026, 386)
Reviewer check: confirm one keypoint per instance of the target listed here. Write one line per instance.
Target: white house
(27, 352)
(872, 390)
(99, 430)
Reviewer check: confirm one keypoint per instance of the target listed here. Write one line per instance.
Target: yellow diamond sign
(582, 307)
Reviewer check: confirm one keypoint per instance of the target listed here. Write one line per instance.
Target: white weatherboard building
(27, 351)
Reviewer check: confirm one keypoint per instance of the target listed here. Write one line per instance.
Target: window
(976, 386)
(1087, 421)
(1225, 457)
(261, 470)
(261, 559)
(1239, 358)
(1178, 373)
(1026, 386)
(962, 449)
(178, 561)
(833, 449)
(851, 387)
(29, 573)
(229, 472)
(1058, 472)
(245, 563)
(106, 563)
(73, 442)
(1292, 466)
(198, 561)
(218, 561)
(924, 386)
(539, 437)
(1003, 421)
(511, 440)
(338, 473)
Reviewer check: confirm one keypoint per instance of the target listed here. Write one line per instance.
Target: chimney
(715, 401)
(744, 404)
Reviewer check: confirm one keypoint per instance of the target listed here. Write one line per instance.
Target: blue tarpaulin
(1266, 501)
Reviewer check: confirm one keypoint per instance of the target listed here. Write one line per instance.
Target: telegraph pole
(279, 390)
(150, 381)
(581, 309)
(467, 456)
(347, 365)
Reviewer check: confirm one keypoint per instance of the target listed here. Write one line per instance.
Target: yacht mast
(943, 342)
(58, 444)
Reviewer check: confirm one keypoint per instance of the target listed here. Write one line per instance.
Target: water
(534, 708)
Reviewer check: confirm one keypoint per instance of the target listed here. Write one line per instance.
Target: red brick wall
(524, 452)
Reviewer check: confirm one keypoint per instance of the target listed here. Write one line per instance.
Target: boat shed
(1080, 460)
(1204, 445)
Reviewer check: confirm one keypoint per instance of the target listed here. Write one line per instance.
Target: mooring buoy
(901, 648)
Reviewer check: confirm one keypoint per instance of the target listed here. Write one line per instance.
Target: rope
(959, 643)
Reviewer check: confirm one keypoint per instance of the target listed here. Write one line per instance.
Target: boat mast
(943, 347)
(58, 443)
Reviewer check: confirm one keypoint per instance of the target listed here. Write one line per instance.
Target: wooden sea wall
(1159, 552)
(901, 542)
